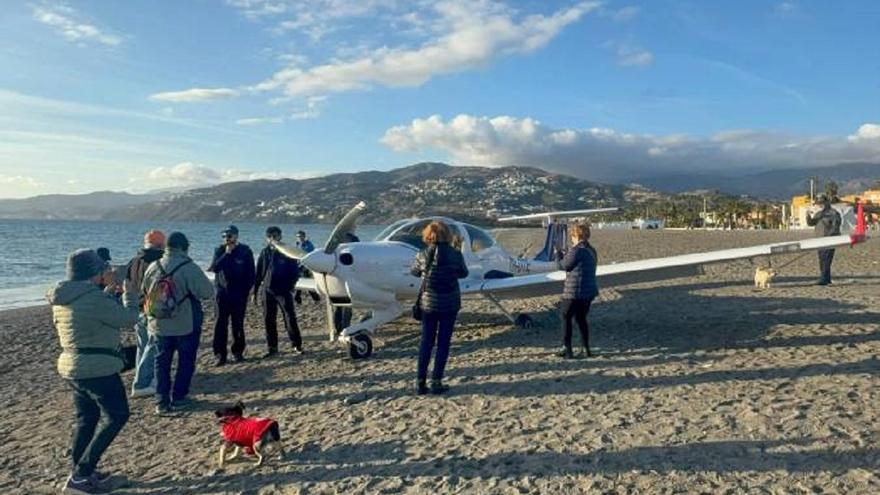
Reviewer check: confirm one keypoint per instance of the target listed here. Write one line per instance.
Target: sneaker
(143, 392)
(270, 353)
(421, 387)
(219, 360)
(298, 350)
(86, 486)
(164, 409)
(438, 388)
(180, 403)
(565, 353)
(101, 477)
(238, 358)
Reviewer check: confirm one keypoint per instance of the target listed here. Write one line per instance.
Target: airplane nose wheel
(523, 321)
(361, 346)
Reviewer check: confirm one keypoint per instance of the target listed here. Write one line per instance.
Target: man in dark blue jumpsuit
(826, 223)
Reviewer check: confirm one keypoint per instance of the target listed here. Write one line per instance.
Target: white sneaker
(143, 392)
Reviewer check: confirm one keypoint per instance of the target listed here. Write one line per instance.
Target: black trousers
(826, 256)
(575, 309)
(271, 303)
(230, 307)
(101, 412)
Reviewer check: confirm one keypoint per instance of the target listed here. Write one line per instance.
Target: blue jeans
(187, 347)
(144, 371)
(436, 327)
(96, 399)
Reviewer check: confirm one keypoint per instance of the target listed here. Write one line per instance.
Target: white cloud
(67, 23)
(607, 154)
(22, 181)
(259, 121)
(190, 175)
(629, 55)
(196, 95)
(624, 14)
(476, 34)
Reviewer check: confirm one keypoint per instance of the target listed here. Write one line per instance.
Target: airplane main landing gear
(360, 346)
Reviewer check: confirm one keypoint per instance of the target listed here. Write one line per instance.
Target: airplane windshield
(412, 233)
(389, 229)
(480, 240)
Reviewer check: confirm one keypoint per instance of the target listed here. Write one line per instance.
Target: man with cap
(144, 383)
(88, 322)
(234, 274)
(826, 223)
(276, 279)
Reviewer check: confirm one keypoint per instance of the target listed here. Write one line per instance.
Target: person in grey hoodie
(580, 287)
(826, 222)
(181, 331)
(88, 321)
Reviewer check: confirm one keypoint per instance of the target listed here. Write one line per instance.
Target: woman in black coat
(580, 288)
(441, 265)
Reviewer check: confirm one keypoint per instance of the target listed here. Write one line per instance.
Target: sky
(153, 94)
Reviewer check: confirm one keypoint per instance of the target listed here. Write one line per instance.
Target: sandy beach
(700, 385)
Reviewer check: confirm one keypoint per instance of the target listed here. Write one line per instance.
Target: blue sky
(141, 95)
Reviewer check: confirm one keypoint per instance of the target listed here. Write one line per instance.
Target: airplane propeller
(323, 263)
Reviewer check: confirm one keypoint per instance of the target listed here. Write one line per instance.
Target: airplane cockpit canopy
(410, 232)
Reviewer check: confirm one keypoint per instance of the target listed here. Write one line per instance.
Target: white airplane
(375, 276)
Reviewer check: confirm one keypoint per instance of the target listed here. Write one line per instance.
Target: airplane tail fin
(554, 241)
(860, 233)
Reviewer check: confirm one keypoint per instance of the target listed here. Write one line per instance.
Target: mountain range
(475, 193)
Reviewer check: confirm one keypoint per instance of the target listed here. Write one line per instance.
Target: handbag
(417, 312)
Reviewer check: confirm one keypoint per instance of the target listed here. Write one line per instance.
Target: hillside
(425, 188)
(779, 184)
(89, 206)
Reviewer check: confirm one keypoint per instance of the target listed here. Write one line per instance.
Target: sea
(33, 252)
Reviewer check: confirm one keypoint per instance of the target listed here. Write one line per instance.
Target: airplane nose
(320, 262)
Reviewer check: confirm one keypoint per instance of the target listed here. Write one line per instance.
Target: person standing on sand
(826, 223)
(580, 287)
(234, 270)
(303, 242)
(88, 322)
(277, 276)
(440, 265)
(144, 383)
(178, 330)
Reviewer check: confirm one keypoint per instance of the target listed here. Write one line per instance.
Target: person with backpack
(276, 278)
(580, 287)
(174, 288)
(144, 382)
(440, 266)
(88, 321)
(234, 274)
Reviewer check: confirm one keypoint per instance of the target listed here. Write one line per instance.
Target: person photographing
(234, 274)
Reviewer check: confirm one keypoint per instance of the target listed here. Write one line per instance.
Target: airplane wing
(569, 213)
(631, 272)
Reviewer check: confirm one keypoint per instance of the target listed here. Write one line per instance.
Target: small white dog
(763, 277)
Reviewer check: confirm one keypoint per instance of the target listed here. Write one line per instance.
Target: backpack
(161, 302)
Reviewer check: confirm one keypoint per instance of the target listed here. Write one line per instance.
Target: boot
(421, 387)
(565, 353)
(437, 387)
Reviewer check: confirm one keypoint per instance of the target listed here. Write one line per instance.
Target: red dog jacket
(245, 432)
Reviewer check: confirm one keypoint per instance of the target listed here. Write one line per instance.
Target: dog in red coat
(257, 436)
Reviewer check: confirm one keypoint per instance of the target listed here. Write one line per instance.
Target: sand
(701, 385)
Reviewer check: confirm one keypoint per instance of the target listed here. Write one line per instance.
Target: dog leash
(779, 267)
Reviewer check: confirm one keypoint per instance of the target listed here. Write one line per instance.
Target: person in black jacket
(441, 265)
(277, 276)
(234, 274)
(144, 382)
(580, 287)
(826, 223)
